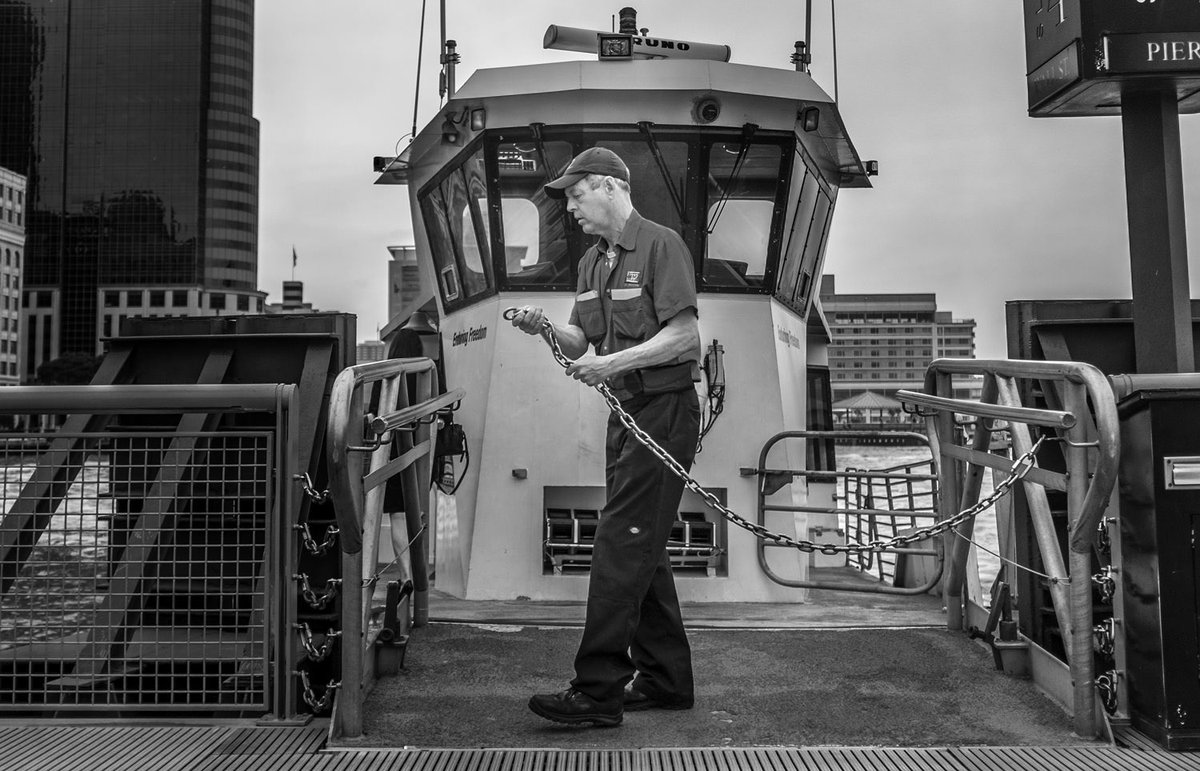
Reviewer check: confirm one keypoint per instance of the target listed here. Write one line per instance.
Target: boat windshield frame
(682, 177)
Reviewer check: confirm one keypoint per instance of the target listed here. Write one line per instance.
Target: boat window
(809, 212)
(652, 197)
(742, 185)
(456, 223)
(533, 225)
(820, 452)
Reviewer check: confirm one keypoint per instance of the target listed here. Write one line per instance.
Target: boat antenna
(448, 59)
(808, 27)
(803, 55)
(420, 50)
(833, 32)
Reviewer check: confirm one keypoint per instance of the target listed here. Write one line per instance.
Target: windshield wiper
(748, 130)
(539, 146)
(652, 143)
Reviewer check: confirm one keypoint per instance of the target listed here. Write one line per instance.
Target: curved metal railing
(382, 423)
(1082, 417)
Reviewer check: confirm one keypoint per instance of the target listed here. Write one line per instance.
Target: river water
(884, 456)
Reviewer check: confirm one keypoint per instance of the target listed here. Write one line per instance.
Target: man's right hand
(529, 319)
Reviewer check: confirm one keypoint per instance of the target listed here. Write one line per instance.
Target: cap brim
(558, 188)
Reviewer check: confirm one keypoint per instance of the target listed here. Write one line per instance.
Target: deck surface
(858, 683)
(180, 748)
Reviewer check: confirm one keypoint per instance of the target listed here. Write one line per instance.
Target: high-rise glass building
(131, 120)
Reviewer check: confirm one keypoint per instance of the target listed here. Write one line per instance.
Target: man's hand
(529, 319)
(591, 369)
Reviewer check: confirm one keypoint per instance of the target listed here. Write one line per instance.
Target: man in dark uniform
(636, 303)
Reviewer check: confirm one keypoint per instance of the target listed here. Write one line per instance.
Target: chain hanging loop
(306, 483)
(1106, 580)
(310, 543)
(1106, 685)
(310, 696)
(1020, 467)
(317, 602)
(316, 653)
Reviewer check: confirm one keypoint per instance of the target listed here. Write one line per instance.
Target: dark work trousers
(633, 621)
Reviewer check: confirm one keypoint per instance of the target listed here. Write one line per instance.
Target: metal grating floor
(257, 748)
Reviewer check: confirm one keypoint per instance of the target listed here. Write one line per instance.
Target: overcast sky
(975, 201)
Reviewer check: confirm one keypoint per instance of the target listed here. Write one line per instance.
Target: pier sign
(1153, 52)
(1081, 56)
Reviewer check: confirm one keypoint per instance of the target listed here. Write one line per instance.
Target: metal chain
(1020, 468)
(316, 653)
(1106, 684)
(1103, 536)
(1105, 635)
(317, 496)
(310, 696)
(310, 596)
(1106, 580)
(310, 543)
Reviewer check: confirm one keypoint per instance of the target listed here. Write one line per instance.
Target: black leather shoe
(576, 708)
(637, 701)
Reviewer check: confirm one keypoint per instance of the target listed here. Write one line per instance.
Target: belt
(653, 380)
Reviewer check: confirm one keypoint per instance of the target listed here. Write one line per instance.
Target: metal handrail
(358, 467)
(138, 398)
(1031, 415)
(1104, 409)
(1089, 486)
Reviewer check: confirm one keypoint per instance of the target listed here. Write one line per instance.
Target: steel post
(951, 475)
(350, 694)
(1042, 518)
(961, 547)
(1162, 318)
(1083, 669)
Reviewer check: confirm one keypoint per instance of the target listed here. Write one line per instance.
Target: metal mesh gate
(135, 571)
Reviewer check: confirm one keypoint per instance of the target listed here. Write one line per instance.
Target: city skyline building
(293, 300)
(882, 343)
(132, 122)
(12, 249)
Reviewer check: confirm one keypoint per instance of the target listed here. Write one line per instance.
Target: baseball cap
(594, 160)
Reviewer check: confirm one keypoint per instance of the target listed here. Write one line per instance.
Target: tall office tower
(131, 120)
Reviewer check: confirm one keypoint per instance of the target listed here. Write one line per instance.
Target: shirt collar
(628, 238)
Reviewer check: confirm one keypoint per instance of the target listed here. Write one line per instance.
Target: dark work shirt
(651, 280)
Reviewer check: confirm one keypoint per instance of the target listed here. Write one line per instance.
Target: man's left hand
(591, 369)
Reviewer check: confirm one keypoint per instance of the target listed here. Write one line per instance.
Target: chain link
(306, 483)
(1020, 468)
(311, 597)
(1103, 536)
(1106, 684)
(1106, 580)
(310, 696)
(310, 543)
(1105, 635)
(316, 653)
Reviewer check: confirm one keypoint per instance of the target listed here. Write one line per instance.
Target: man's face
(592, 208)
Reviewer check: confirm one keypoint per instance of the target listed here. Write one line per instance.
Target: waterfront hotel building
(131, 120)
(883, 342)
